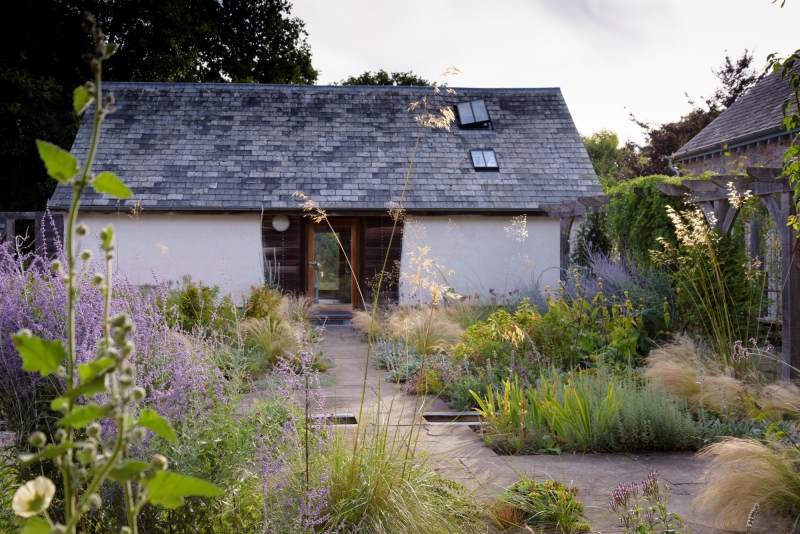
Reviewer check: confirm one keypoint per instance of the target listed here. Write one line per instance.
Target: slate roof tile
(241, 147)
(757, 112)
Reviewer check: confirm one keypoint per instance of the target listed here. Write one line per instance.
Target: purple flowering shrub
(178, 374)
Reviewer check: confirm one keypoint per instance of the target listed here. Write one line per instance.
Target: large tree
(382, 77)
(158, 40)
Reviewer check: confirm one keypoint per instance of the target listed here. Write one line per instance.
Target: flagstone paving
(458, 453)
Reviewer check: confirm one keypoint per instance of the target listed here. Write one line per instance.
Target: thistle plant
(98, 403)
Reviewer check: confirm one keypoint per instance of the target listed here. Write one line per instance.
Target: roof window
(473, 115)
(484, 159)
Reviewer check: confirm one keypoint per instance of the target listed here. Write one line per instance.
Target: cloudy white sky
(608, 56)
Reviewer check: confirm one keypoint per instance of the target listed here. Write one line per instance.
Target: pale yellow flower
(33, 497)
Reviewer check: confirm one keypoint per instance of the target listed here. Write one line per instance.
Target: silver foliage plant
(100, 419)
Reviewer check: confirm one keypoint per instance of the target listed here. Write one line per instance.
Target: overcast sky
(607, 56)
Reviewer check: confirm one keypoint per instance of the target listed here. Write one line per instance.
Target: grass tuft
(746, 471)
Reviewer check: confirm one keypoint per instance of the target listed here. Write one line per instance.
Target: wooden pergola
(714, 199)
(776, 194)
(569, 211)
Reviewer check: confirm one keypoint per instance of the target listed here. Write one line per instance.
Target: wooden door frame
(355, 259)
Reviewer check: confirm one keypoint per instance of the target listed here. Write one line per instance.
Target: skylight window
(484, 159)
(473, 114)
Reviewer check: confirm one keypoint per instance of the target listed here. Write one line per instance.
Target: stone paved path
(458, 453)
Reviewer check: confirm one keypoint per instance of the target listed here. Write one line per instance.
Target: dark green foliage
(262, 302)
(637, 216)
(195, 307)
(591, 239)
(547, 504)
(382, 77)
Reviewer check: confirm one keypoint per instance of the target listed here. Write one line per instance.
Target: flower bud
(94, 501)
(37, 439)
(55, 265)
(58, 529)
(139, 433)
(159, 462)
(125, 530)
(138, 394)
(25, 333)
(127, 347)
(86, 255)
(82, 229)
(60, 435)
(93, 430)
(125, 380)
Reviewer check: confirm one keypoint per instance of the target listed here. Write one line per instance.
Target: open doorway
(331, 259)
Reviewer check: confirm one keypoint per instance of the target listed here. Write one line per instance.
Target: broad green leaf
(90, 371)
(98, 385)
(51, 451)
(169, 489)
(81, 99)
(60, 164)
(150, 419)
(36, 525)
(128, 470)
(108, 182)
(83, 415)
(38, 354)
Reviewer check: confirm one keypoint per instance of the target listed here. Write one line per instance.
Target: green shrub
(262, 302)
(546, 504)
(572, 333)
(197, 307)
(586, 411)
(647, 420)
(637, 218)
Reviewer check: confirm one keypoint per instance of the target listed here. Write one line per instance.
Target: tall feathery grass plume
(720, 302)
(689, 369)
(744, 471)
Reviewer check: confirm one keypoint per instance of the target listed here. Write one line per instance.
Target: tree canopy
(382, 77)
(158, 40)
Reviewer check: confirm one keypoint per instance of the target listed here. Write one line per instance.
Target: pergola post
(790, 292)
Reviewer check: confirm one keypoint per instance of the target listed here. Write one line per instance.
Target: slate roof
(248, 146)
(756, 115)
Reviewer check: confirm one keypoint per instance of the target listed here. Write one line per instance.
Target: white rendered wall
(221, 250)
(475, 254)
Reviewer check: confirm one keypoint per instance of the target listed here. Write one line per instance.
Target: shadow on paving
(458, 453)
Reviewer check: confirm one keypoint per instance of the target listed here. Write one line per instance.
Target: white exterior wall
(221, 250)
(476, 253)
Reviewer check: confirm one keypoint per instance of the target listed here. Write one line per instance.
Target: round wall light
(280, 223)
